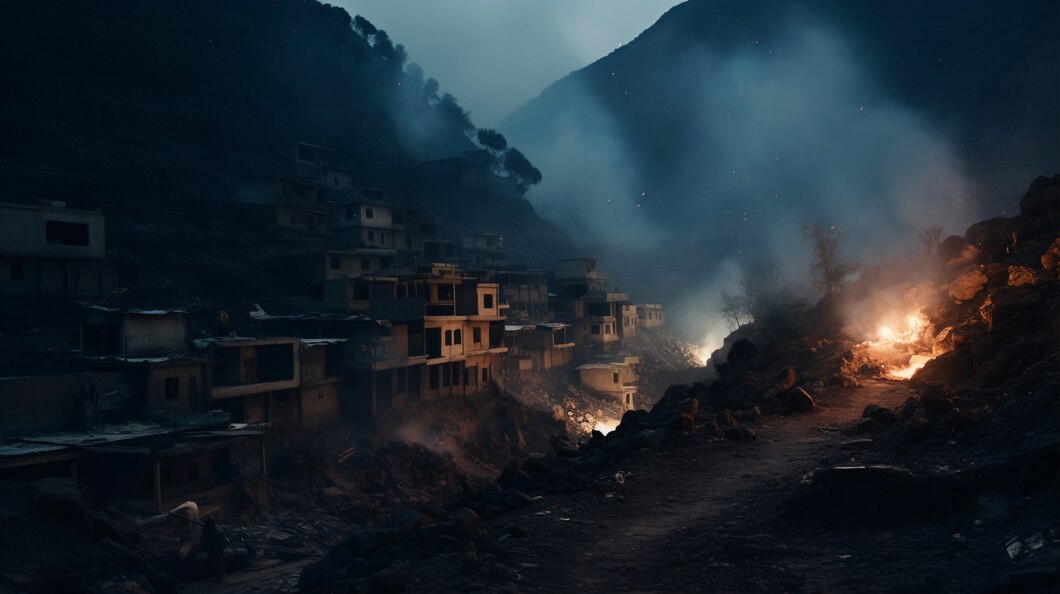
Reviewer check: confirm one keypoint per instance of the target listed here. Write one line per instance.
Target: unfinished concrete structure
(651, 315)
(537, 347)
(49, 249)
(612, 375)
(255, 380)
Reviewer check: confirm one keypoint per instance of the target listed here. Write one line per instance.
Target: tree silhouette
(828, 270)
(519, 167)
(492, 139)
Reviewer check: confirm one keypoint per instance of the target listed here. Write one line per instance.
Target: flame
(903, 344)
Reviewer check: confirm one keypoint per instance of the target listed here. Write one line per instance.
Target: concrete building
(577, 276)
(109, 332)
(299, 203)
(651, 315)
(48, 249)
(483, 250)
(627, 321)
(612, 375)
(537, 347)
(255, 380)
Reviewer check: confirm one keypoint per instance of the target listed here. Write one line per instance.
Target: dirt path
(693, 494)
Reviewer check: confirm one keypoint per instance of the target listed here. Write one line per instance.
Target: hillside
(154, 111)
(726, 124)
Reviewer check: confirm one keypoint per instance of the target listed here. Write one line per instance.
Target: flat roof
(131, 310)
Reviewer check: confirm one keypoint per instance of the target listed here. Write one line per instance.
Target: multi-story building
(49, 249)
(651, 315)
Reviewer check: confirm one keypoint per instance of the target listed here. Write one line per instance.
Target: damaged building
(48, 248)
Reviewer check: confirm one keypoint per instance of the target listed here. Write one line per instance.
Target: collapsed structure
(397, 315)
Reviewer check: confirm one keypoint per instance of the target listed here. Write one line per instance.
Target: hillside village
(399, 313)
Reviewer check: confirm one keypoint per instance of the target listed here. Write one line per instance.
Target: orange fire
(902, 345)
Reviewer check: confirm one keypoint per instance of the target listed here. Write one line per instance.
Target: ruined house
(525, 292)
(255, 380)
(614, 376)
(134, 426)
(537, 347)
(651, 315)
(47, 248)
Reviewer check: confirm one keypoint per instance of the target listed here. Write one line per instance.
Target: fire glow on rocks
(902, 344)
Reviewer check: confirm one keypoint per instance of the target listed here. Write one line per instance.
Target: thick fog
(495, 55)
(774, 135)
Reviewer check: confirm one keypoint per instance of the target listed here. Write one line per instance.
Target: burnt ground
(708, 516)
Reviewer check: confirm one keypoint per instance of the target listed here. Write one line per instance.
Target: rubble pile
(557, 393)
(998, 388)
(49, 526)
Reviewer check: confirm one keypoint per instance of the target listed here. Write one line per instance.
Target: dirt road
(662, 528)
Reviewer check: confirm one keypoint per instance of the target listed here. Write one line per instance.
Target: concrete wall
(24, 232)
(351, 265)
(150, 334)
(50, 276)
(50, 403)
(191, 385)
(320, 403)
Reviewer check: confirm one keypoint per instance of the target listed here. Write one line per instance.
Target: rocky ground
(799, 468)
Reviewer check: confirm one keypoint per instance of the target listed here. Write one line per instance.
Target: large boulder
(995, 237)
(967, 285)
(62, 499)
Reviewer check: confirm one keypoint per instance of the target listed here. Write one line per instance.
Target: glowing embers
(902, 345)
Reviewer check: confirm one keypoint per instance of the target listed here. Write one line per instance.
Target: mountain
(154, 112)
(726, 124)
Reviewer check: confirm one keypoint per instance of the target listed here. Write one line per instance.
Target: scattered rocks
(798, 400)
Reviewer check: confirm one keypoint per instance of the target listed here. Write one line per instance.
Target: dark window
(456, 374)
(307, 154)
(371, 236)
(336, 263)
(594, 329)
(402, 380)
(458, 337)
(485, 374)
(63, 233)
(369, 213)
(172, 388)
(614, 377)
(446, 375)
(351, 213)
(434, 377)
(408, 241)
(487, 301)
(335, 181)
(18, 271)
(448, 337)
(445, 292)
(365, 264)
(476, 335)
(467, 376)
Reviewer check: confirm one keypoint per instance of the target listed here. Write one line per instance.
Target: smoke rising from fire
(773, 133)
